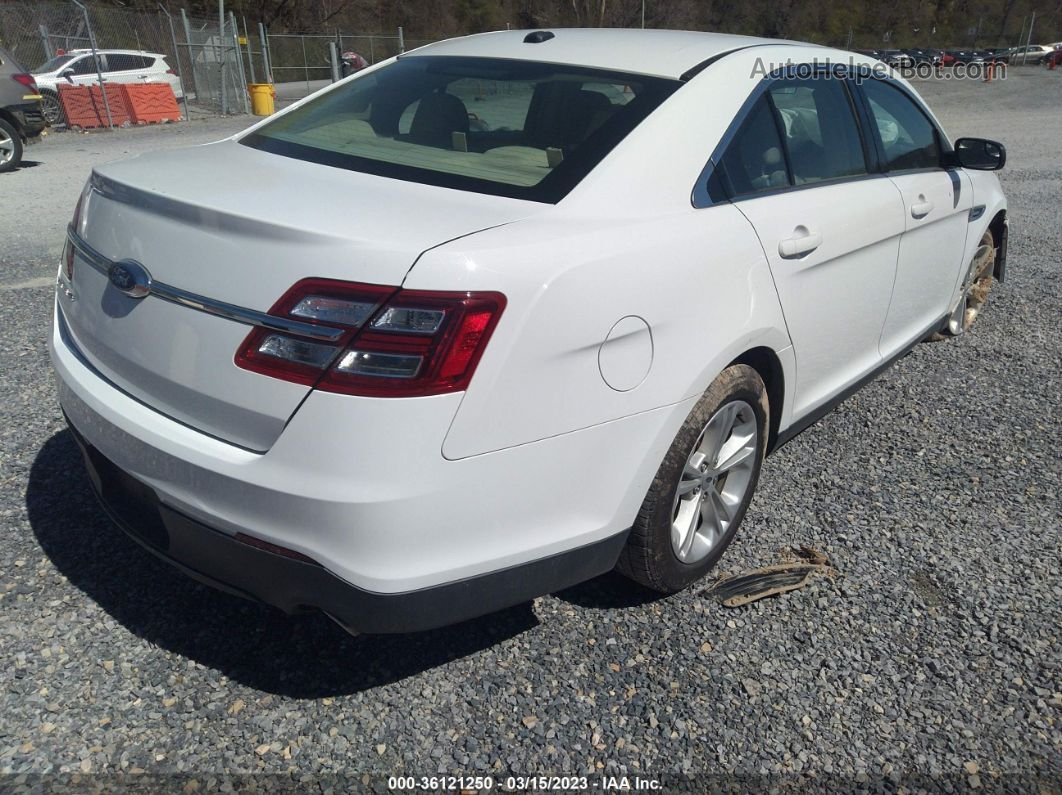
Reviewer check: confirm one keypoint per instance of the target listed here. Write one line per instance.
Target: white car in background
(77, 67)
(379, 358)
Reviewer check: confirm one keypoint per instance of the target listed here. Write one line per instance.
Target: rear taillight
(396, 343)
(68, 249)
(27, 81)
(68, 261)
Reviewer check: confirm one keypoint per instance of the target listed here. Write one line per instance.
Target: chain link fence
(212, 63)
(306, 57)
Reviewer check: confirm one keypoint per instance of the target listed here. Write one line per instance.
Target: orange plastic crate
(83, 106)
(151, 102)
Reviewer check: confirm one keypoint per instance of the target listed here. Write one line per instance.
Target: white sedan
(504, 313)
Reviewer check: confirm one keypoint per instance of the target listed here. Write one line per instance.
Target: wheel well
(765, 362)
(998, 230)
(10, 119)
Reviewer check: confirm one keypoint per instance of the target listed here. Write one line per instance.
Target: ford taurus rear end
(263, 393)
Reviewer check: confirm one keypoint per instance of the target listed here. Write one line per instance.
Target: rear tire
(50, 108)
(703, 487)
(10, 146)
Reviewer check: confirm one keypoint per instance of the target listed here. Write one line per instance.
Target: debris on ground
(803, 564)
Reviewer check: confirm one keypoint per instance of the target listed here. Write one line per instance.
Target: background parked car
(920, 56)
(77, 67)
(1033, 55)
(998, 55)
(873, 53)
(21, 121)
(967, 56)
(897, 59)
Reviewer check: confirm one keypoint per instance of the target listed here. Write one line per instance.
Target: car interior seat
(563, 114)
(439, 115)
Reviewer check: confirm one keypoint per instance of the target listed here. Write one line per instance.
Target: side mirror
(980, 154)
(67, 74)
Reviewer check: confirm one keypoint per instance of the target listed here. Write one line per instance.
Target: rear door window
(821, 135)
(123, 62)
(754, 162)
(797, 133)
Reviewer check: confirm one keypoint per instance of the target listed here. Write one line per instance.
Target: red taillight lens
(27, 81)
(68, 261)
(420, 343)
(68, 249)
(319, 302)
(396, 343)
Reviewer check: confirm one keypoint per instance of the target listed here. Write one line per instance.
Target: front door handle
(803, 241)
(922, 207)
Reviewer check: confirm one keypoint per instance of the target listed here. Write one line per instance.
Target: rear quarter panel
(697, 278)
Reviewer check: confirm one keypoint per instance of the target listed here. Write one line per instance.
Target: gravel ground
(932, 659)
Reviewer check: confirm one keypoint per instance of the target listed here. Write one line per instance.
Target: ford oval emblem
(131, 278)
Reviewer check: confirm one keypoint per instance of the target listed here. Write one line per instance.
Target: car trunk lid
(239, 226)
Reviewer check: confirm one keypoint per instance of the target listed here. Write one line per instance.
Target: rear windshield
(506, 127)
(10, 60)
(53, 64)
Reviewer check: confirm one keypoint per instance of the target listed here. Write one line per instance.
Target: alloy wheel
(974, 287)
(7, 148)
(714, 482)
(50, 109)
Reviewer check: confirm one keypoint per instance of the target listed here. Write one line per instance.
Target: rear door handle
(803, 241)
(921, 208)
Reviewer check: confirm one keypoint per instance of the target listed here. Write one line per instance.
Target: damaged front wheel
(975, 286)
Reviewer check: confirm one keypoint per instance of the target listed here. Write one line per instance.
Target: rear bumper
(361, 487)
(295, 586)
(30, 119)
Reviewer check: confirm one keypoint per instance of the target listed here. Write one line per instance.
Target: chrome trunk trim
(200, 303)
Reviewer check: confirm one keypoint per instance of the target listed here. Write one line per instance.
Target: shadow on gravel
(299, 657)
(609, 592)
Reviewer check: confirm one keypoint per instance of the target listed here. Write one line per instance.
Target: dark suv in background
(21, 120)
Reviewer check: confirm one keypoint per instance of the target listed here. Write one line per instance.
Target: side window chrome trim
(826, 183)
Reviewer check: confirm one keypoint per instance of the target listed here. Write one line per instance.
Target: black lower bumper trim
(30, 119)
(219, 560)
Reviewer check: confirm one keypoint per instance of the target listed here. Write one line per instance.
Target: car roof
(84, 50)
(664, 53)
